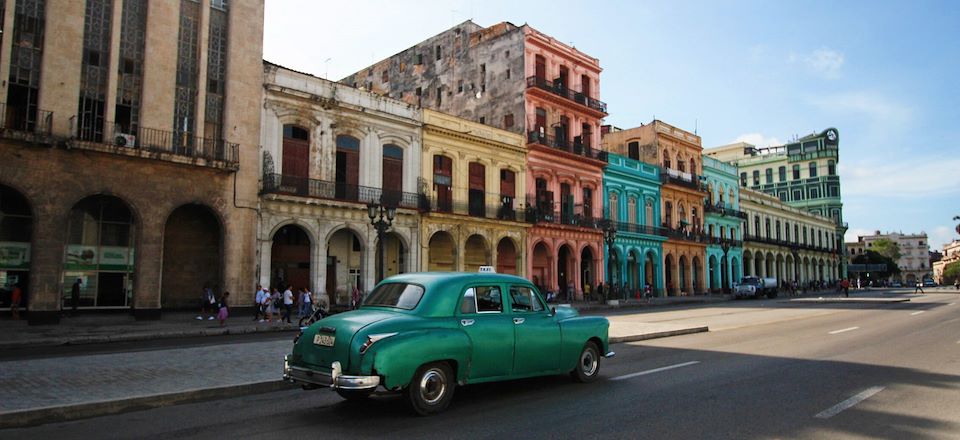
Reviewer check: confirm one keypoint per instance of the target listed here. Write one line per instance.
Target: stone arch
(441, 252)
(192, 255)
(747, 258)
(346, 262)
(16, 232)
(541, 265)
(696, 275)
(102, 231)
(476, 253)
(291, 256)
(713, 273)
(395, 255)
(508, 256)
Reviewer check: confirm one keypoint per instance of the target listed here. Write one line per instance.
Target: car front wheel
(431, 389)
(588, 366)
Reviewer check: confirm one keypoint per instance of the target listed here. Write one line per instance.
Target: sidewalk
(36, 391)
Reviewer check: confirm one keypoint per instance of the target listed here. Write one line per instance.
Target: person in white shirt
(287, 304)
(306, 301)
(258, 312)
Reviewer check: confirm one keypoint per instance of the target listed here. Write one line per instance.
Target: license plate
(324, 340)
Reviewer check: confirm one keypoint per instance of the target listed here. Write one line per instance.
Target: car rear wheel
(354, 395)
(588, 365)
(431, 389)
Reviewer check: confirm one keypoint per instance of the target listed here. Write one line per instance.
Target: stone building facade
(724, 225)
(521, 80)
(802, 174)
(474, 177)
(951, 255)
(328, 151)
(128, 153)
(914, 259)
(783, 242)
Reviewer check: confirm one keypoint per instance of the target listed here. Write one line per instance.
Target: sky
(885, 74)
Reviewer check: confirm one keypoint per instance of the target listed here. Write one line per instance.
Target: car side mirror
(553, 311)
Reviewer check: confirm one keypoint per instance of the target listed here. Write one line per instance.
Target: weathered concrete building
(128, 155)
(914, 262)
(330, 150)
(475, 177)
(521, 80)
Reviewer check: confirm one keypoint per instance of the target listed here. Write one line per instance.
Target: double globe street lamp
(609, 235)
(381, 217)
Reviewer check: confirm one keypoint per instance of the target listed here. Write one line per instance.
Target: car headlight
(371, 339)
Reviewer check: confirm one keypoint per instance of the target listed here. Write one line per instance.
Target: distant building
(951, 254)
(802, 174)
(914, 260)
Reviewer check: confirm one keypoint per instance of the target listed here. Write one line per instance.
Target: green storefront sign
(109, 258)
(14, 255)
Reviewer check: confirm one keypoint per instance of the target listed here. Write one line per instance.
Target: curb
(128, 337)
(56, 414)
(656, 335)
(848, 300)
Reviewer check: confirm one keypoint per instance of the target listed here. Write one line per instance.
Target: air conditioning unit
(125, 140)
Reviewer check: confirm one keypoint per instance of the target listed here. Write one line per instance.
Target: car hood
(345, 327)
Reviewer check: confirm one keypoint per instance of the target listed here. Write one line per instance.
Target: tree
(872, 257)
(888, 248)
(951, 272)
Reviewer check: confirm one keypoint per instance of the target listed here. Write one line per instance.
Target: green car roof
(442, 289)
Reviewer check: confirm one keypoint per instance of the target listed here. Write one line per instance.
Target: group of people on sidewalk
(273, 302)
(216, 308)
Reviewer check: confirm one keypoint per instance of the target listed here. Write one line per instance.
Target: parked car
(896, 284)
(929, 283)
(423, 334)
(756, 287)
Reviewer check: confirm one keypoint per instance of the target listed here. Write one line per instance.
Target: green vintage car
(425, 333)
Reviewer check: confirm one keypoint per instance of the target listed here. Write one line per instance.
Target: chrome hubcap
(588, 362)
(433, 385)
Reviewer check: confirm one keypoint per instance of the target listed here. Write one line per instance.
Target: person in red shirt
(15, 299)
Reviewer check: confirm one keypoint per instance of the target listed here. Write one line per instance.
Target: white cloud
(758, 139)
(918, 177)
(872, 105)
(941, 235)
(823, 62)
(853, 233)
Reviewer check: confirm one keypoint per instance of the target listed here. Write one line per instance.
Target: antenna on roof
(695, 121)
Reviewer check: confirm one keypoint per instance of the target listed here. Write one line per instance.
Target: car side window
(488, 299)
(469, 302)
(524, 299)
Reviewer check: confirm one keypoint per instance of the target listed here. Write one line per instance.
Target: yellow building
(473, 176)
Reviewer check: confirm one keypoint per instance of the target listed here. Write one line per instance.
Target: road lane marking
(843, 330)
(655, 370)
(917, 313)
(951, 304)
(847, 404)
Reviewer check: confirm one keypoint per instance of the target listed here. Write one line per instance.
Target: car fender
(397, 358)
(576, 332)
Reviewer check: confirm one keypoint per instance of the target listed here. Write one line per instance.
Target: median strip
(843, 330)
(917, 313)
(847, 404)
(655, 370)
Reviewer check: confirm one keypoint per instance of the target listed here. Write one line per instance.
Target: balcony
(686, 234)
(577, 97)
(788, 244)
(322, 189)
(640, 229)
(723, 209)
(570, 215)
(680, 178)
(149, 142)
(504, 211)
(577, 148)
(17, 123)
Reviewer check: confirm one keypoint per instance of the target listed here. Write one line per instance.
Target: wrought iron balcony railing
(159, 141)
(568, 214)
(723, 209)
(572, 147)
(322, 189)
(559, 90)
(786, 243)
(675, 177)
(477, 208)
(17, 122)
(640, 229)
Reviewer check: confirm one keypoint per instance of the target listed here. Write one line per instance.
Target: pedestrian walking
(956, 284)
(75, 293)
(355, 297)
(223, 310)
(306, 302)
(599, 292)
(919, 287)
(258, 303)
(208, 303)
(15, 297)
(287, 304)
(272, 303)
(845, 286)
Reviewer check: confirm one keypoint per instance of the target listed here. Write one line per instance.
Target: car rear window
(398, 295)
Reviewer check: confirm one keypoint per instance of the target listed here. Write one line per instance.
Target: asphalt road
(772, 370)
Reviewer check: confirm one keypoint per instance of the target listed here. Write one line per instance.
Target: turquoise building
(723, 223)
(631, 200)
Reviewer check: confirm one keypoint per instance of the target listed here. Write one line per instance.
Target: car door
(490, 329)
(536, 331)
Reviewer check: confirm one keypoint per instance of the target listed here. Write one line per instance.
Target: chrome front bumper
(333, 379)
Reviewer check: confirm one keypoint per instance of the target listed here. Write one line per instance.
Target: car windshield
(398, 295)
(750, 281)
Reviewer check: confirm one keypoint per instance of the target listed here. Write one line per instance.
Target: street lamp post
(724, 267)
(609, 235)
(381, 218)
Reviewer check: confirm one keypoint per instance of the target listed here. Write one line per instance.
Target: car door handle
(518, 320)
(466, 322)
